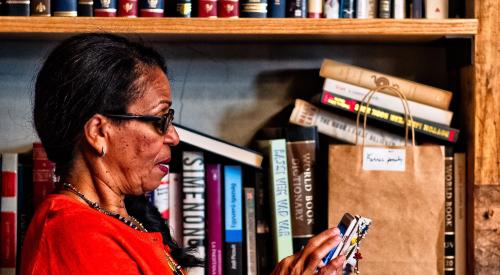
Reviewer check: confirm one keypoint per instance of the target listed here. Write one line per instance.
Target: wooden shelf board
(411, 29)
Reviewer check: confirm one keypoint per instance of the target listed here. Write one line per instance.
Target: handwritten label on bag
(384, 159)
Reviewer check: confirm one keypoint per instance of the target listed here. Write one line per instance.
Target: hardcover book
(193, 204)
(276, 8)
(263, 220)
(281, 224)
(214, 219)
(460, 214)
(105, 8)
(175, 197)
(301, 158)
(233, 220)
(151, 8)
(127, 8)
(251, 247)
(370, 79)
(449, 210)
(8, 221)
(64, 8)
(40, 8)
(347, 9)
(43, 174)
(431, 129)
(17, 7)
(85, 8)
(436, 9)
(390, 102)
(219, 147)
(362, 9)
(253, 8)
(399, 10)
(207, 8)
(296, 8)
(339, 127)
(315, 8)
(229, 8)
(417, 9)
(384, 9)
(183, 8)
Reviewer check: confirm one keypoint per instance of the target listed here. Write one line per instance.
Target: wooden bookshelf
(342, 29)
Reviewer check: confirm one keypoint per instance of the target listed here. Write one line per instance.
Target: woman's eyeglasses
(160, 122)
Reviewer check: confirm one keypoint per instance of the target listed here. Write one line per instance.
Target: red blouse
(68, 237)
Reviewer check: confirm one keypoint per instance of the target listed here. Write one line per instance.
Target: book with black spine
(85, 8)
(253, 8)
(449, 228)
(17, 7)
(40, 8)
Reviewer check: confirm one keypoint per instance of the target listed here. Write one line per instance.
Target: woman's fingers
(315, 258)
(334, 267)
(319, 239)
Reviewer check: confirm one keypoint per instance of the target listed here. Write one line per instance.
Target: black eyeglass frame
(161, 123)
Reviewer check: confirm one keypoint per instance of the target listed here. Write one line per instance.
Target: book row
(398, 9)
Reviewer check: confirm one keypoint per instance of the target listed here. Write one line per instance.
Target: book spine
(390, 102)
(296, 8)
(183, 8)
(127, 8)
(24, 203)
(214, 219)
(353, 106)
(207, 8)
(399, 9)
(362, 9)
(331, 8)
(253, 8)
(8, 221)
(43, 174)
(161, 197)
(64, 8)
(460, 214)
(372, 8)
(85, 8)
(17, 7)
(315, 8)
(263, 218)
(339, 127)
(436, 9)
(229, 8)
(151, 8)
(347, 9)
(193, 204)
(250, 237)
(301, 156)
(449, 228)
(40, 8)
(384, 9)
(174, 200)
(370, 79)
(276, 8)
(233, 220)
(417, 9)
(105, 8)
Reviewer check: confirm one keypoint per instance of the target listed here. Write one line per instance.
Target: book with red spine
(151, 8)
(8, 221)
(229, 8)
(214, 219)
(207, 8)
(128, 8)
(43, 174)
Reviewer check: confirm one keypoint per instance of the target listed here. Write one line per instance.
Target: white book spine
(161, 197)
(193, 204)
(331, 9)
(436, 9)
(339, 127)
(362, 9)
(399, 9)
(389, 102)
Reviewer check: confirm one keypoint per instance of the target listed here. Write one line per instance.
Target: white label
(384, 159)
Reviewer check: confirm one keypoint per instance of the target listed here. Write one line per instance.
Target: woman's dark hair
(88, 74)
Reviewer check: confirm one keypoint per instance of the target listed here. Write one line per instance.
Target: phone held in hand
(352, 230)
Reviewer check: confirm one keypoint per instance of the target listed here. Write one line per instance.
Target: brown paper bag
(407, 207)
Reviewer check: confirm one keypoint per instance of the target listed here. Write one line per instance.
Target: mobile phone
(352, 230)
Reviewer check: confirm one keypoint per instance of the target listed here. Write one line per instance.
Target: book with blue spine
(65, 8)
(233, 219)
(276, 8)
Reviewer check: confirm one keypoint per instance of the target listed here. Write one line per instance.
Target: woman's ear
(96, 133)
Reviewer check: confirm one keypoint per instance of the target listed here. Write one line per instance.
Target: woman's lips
(163, 167)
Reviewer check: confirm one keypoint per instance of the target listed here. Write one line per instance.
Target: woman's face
(138, 152)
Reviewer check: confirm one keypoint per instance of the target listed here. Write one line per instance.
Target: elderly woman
(103, 113)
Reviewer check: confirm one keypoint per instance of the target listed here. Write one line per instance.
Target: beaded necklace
(130, 221)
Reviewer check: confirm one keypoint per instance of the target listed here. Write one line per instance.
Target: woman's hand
(309, 259)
